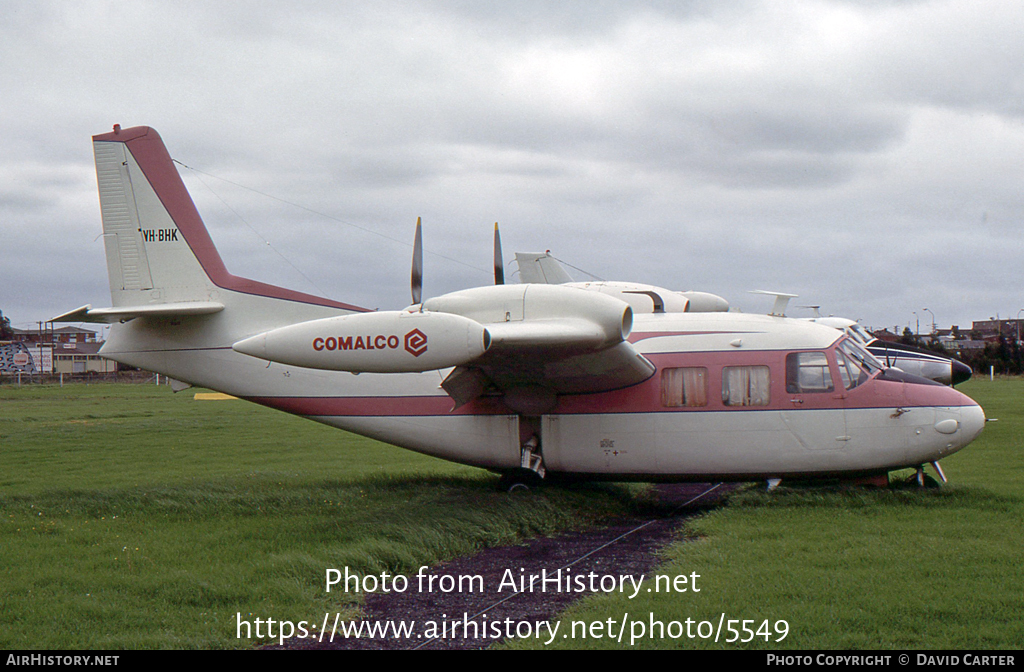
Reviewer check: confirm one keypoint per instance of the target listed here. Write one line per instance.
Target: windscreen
(856, 364)
(859, 333)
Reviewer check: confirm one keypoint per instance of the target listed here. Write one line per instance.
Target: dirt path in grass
(591, 551)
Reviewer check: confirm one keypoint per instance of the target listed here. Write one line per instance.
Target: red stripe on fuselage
(646, 397)
(381, 406)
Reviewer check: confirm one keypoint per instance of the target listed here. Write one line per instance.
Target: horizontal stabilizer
(123, 313)
(781, 301)
(541, 268)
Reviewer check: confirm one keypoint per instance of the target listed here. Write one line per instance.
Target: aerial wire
(576, 268)
(324, 215)
(259, 235)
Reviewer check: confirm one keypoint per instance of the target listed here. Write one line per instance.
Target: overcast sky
(868, 156)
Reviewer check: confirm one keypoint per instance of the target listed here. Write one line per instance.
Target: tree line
(1006, 354)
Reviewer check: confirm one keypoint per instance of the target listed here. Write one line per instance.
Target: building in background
(47, 334)
(991, 329)
(81, 358)
(66, 350)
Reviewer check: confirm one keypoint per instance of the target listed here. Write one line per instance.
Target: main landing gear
(518, 480)
(531, 458)
(531, 469)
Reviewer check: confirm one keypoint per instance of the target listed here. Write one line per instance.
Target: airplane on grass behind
(545, 269)
(531, 381)
(918, 361)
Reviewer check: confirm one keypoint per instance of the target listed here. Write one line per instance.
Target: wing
(530, 384)
(545, 340)
(527, 343)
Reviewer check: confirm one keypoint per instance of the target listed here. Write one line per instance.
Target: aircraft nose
(972, 421)
(961, 372)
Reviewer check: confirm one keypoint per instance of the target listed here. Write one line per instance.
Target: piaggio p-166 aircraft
(525, 380)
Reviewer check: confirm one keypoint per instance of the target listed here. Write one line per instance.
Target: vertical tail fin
(158, 249)
(146, 213)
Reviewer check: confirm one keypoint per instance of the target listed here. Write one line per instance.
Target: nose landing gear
(923, 480)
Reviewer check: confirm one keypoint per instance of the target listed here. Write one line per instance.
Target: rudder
(158, 249)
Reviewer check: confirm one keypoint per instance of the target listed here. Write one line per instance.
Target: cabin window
(808, 372)
(684, 387)
(745, 385)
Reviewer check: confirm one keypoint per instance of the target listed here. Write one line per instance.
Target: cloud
(863, 154)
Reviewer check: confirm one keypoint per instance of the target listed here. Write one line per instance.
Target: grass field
(134, 518)
(856, 568)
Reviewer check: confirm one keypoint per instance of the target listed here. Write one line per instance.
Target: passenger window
(808, 372)
(684, 387)
(745, 385)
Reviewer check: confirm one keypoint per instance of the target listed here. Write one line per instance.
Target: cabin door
(814, 407)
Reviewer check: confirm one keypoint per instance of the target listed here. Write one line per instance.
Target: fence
(89, 377)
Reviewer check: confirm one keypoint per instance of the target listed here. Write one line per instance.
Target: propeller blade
(417, 265)
(499, 263)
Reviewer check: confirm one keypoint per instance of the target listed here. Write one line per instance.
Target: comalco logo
(415, 342)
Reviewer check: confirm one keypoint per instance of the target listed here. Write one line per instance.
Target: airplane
(918, 361)
(531, 381)
(544, 268)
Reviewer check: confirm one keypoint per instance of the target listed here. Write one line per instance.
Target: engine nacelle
(379, 342)
(556, 317)
(641, 298)
(703, 302)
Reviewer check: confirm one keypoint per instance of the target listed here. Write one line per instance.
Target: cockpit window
(863, 357)
(808, 372)
(856, 364)
(851, 374)
(860, 334)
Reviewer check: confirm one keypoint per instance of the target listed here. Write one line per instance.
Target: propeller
(499, 265)
(417, 262)
(417, 265)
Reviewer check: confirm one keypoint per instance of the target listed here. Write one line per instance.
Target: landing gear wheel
(921, 481)
(519, 480)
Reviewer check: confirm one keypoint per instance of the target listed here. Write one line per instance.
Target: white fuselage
(873, 427)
